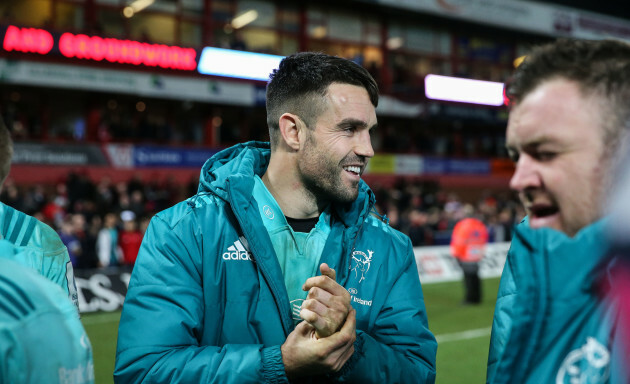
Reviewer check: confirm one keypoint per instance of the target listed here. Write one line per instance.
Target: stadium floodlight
(461, 90)
(135, 7)
(244, 18)
(238, 64)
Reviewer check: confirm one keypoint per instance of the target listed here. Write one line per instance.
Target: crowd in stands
(161, 125)
(102, 223)
(428, 213)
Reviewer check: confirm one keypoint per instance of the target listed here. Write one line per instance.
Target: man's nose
(526, 175)
(364, 144)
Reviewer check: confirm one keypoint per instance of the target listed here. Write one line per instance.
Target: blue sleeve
(46, 253)
(400, 348)
(502, 320)
(41, 336)
(163, 320)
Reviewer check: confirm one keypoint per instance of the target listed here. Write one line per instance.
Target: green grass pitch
(463, 334)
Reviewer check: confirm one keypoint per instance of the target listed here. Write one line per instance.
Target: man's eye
(545, 156)
(513, 156)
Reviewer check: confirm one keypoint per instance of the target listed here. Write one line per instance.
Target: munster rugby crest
(361, 263)
(587, 364)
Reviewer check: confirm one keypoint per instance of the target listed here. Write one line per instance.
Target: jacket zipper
(287, 323)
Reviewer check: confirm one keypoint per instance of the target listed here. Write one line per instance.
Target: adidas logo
(237, 251)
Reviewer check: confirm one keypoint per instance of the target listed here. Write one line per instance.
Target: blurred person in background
(417, 229)
(46, 252)
(569, 112)
(144, 224)
(468, 245)
(277, 270)
(130, 237)
(87, 233)
(70, 240)
(107, 247)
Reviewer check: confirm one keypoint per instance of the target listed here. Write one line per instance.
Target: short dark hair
(301, 81)
(601, 68)
(6, 152)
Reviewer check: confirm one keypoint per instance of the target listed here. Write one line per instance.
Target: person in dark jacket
(278, 269)
(569, 113)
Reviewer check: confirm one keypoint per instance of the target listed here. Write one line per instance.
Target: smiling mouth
(353, 169)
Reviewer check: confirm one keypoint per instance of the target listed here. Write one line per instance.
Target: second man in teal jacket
(554, 322)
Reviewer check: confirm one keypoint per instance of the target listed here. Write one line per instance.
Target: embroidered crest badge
(361, 263)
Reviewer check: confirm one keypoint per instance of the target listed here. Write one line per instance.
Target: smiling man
(569, 111)
(279, 269)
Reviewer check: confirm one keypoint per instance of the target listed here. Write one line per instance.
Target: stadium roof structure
(614, 8)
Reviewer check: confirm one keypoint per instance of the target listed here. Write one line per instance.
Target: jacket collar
(568, 259)
(234, 168)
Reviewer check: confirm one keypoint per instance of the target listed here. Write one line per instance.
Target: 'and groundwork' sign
(105, 289)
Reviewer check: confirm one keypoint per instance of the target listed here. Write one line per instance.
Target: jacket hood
(243, 161)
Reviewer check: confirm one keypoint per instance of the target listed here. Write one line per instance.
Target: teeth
(354, 169)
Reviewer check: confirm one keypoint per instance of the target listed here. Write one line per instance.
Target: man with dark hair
(47, 253)
(278, 269)
(569, 112)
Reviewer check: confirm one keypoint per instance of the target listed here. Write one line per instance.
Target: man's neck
(282, 182)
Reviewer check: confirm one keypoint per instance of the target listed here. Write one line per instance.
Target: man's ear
(290, 127)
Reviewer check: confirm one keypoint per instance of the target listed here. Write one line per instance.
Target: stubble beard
(323, 178)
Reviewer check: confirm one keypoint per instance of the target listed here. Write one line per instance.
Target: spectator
(107, 248)
(418, 229)
(87, 234)
(137, 203)
(130, 237)
(70, 240)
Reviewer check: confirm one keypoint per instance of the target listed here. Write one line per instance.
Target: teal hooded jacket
(42, 340)
(44, 250)
(552, 324)
(207, 302)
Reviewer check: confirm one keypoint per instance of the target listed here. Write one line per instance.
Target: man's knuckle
(346, 338)
(322, 354)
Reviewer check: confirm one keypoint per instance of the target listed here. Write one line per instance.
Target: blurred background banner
(109, 155)
(125, 82)
(60, 154)
(102, 290)
(145, 156)
(437, 265)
